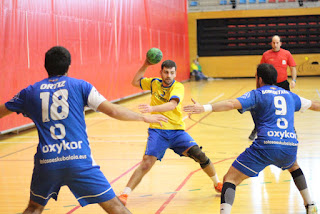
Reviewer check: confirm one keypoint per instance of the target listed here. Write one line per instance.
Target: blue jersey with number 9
(56, 106)
(272, 110)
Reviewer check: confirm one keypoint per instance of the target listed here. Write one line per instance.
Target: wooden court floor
(176, 185)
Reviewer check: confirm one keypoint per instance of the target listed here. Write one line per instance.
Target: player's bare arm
(315, 106)
(140, 73)
(169, 106)
(4, 111)
(225, 105)
(121, 113)
(294, 76)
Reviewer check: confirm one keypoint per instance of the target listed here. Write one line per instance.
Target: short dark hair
(168, 64)
(57, 61)
(268, 73)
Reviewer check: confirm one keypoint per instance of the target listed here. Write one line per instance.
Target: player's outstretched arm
(4, 111)
(224, 105)
(121, 113)
(169, 106)
(315, 106)
(140, 73)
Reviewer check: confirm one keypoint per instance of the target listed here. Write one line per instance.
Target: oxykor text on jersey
(281, 134)
(58, 147)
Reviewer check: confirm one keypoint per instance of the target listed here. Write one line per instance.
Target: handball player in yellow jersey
(166, 97)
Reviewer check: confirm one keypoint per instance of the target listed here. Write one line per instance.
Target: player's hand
(292, 84)
(155, 118)
(145, 108)
(147, 63)
(196, 108)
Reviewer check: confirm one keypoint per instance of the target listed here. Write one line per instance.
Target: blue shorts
(160, 140)
(252, 160)
(87, 185)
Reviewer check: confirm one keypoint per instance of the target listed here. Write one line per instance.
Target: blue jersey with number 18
(273, 110)
(56, 106)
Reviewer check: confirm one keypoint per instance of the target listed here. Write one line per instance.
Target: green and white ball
(154, 55)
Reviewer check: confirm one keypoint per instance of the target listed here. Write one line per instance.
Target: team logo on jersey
(53, 80)
(284, 62)
(273, 88)
(246, 95)
(16, 97)
(162, 95)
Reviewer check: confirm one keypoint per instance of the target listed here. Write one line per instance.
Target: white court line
(214, 99)
(318, 92)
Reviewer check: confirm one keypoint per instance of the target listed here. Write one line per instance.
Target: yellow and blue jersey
(161, 95)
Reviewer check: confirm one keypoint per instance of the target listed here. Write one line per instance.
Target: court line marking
(318, 92)
(17, 151)
(6, 142)
(163, 206)
(214, 99)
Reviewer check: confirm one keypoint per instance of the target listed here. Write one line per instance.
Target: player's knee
(146, 165)
(199, 156)
(225, 178)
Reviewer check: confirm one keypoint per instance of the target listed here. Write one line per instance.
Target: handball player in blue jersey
(56, 106)
(273, 110)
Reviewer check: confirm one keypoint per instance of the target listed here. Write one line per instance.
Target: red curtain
(107, 39)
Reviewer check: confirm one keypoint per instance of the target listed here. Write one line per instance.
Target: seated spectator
(196, 71)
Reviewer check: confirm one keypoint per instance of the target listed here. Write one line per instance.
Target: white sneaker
(311, 209)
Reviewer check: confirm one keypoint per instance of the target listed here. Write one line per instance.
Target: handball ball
(154, 55)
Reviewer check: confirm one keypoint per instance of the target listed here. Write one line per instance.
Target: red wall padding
(107, 40)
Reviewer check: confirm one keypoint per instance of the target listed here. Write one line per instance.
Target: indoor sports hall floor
(176, 185)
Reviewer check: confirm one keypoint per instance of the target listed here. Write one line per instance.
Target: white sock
(127, 190)
(306, 196)
(215, 179)
(225, 208)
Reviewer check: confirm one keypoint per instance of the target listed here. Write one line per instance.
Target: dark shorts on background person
(160, 140)
(285, 85)
(88, 185)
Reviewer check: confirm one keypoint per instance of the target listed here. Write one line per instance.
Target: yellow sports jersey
(161, 95)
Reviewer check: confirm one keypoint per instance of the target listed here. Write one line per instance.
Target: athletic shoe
(123, 198)
(218, 187)
(253, 134)
(311, 209)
